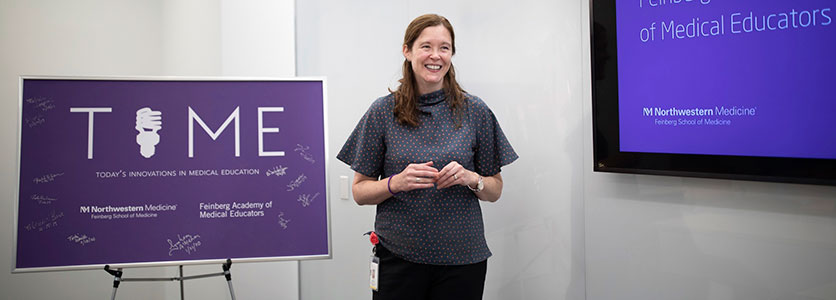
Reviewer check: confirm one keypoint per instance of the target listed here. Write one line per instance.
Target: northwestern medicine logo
(149, 122)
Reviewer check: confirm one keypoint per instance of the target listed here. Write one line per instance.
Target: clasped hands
(424, 175)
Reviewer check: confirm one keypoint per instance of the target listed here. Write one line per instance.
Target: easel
(117, 278)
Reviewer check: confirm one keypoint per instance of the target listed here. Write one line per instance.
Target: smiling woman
(430, 57)
(425, 155)
(428, 48)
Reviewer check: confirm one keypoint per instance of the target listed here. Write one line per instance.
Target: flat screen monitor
(737, 89)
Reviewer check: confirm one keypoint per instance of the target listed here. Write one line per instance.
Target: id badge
(374, 269)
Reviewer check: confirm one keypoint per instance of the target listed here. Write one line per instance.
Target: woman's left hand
(454, 174)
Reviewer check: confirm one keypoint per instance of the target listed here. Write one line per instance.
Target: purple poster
(730, 77)
(138, 171)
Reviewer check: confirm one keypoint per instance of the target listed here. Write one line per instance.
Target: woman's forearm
(368, 190)
(492, 190)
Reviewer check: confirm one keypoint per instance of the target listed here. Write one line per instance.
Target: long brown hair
(406, 96)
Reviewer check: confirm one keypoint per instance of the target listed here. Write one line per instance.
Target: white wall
(125, 38)
(641, 237)
(658, 237)
(523, 58)
(66, 38)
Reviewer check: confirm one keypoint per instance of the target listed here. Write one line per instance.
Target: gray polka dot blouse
(430, 226)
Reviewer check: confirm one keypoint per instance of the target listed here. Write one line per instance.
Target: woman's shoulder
(476, 103)
(383, 103)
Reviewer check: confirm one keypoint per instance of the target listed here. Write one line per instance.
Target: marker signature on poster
(187, 243)
(45, 223)
(277, 171)
(282, 221)
(303, 151)
(41, 199)
(41, 103)
(296, 183)
(47, 178)
(81, 239)
(306, 199)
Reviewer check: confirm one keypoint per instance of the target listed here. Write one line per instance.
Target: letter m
(647, 111)
(214, 134)
(84, 209)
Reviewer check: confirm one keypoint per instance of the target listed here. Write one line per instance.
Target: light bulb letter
(148, 140)
(262, 131)
(90, 111)
(214, 134)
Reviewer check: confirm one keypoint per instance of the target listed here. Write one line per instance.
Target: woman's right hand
(373, 191)
(414, 176)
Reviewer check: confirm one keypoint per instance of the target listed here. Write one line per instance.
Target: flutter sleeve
(492, 151)
(365, 148)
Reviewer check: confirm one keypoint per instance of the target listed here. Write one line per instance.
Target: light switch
(344, 187)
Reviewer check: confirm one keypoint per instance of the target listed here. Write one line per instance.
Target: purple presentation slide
(155, 171)
(727, 77)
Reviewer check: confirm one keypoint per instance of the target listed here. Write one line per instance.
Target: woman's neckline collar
(431, 97)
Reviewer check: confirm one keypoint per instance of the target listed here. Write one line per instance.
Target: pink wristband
(388, 186)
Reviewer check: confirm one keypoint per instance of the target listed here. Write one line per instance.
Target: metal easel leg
(182, 293)
(228, 276)
(117, 278)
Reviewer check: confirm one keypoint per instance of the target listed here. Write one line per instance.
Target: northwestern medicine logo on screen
(743, 77)
(149, 123)
(710, 116)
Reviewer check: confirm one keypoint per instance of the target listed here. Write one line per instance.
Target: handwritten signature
(46, 223)
(81, 239)
(188, 243)
(303, 152)
(35, 120)
(41, 102)
(41, 199)
(47, 178)
(282, 221)
(42, 105)
(278, 171)
(297, 182)
(306, 199)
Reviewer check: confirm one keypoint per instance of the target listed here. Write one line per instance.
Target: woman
(425, 155)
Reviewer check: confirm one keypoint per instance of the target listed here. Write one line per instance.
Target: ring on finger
(417, 179)
(456, 176)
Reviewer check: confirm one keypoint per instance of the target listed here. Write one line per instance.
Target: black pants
(403, 280)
